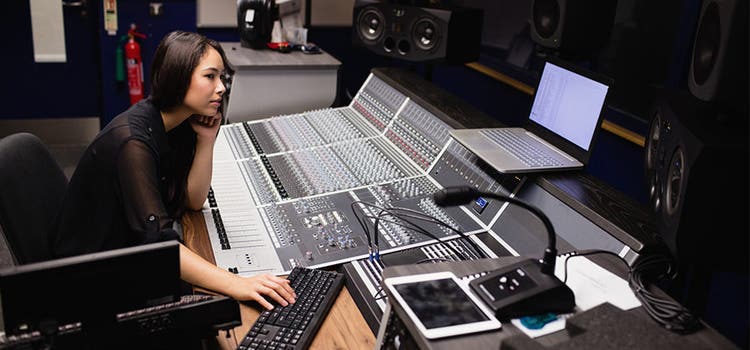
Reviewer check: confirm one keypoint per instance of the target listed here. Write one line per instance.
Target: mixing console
(283, 188)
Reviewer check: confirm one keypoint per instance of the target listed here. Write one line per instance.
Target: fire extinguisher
(134, 64)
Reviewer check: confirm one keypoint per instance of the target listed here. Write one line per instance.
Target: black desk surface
(637, 319)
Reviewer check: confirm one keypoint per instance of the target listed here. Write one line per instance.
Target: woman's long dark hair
(177, 55)
(172, 68)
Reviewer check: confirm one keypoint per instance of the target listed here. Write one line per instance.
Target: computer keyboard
(294, 326)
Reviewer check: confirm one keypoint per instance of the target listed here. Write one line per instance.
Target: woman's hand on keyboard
(260, 286)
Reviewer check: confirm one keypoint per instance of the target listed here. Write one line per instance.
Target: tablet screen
(440, 303)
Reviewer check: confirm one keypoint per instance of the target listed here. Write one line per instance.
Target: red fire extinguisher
(134, 65)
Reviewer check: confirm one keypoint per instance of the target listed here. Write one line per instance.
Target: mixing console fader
(288, 190)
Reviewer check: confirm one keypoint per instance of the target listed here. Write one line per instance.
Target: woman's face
(204, 94)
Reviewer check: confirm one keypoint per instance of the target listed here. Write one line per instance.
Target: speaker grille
(370, 24)
(546, 15)
(707, 41)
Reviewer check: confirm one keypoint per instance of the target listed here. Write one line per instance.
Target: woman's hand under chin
(206, 127)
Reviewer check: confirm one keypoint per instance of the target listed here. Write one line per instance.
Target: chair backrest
(32, 187)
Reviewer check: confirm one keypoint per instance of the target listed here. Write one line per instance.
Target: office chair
(32, 186)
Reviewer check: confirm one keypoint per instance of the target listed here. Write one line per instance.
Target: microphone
(527, 287)
(458, 195)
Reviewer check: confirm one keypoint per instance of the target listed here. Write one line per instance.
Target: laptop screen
(568, 104)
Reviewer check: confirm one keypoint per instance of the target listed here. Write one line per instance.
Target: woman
(154, 161)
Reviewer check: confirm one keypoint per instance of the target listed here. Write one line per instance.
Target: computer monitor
(91, 288)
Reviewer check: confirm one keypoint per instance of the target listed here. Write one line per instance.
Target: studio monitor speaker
(576, 27)
(697, 172)
(718, 65)
(418, 34)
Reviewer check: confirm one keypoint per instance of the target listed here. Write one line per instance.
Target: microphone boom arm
(464, 194)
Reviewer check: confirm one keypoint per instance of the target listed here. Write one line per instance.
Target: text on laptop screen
(568, 104)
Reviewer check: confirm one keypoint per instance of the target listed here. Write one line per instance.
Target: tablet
(440, 305)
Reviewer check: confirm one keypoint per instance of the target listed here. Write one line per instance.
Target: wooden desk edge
(343, 328)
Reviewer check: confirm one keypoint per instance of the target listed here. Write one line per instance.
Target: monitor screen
(89, 288)
(568, 104)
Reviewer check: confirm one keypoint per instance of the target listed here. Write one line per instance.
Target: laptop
(560, 130)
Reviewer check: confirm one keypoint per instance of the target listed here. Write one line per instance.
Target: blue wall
(49, 90)
(176, 14)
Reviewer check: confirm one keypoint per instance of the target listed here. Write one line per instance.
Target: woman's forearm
(199, 178)
(199, 272)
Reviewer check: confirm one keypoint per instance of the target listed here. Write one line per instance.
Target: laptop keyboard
(527, 153)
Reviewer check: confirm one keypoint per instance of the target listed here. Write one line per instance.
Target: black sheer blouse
(129, 185)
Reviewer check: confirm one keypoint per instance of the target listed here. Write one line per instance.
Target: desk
(705, 338)
(569, 199)
(343, 328)
(268, 83)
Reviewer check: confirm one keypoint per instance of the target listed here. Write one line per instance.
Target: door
(50, 90)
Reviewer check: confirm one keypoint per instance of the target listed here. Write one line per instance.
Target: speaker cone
(676, 174)
(370, 24)
(546, 15)
(424, 34)
(706, 50)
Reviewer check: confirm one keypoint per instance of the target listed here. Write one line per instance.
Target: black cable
(378, 293)
(668, 313)
(419, 229)
(411, 213)
(589, 252)
(460, 195)
(428, 218)
(672, 315)
(362, 223)
(412, 226)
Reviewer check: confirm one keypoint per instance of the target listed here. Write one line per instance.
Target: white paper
(48, 30)
(593, 285)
